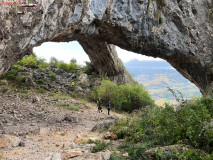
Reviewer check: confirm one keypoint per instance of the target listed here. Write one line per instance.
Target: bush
(99, 146)
(88, 69)
(52, 75)
(124, 97)
(41, 90)
(10, 75)
(30, 61)
(188, 123)
(72, 67)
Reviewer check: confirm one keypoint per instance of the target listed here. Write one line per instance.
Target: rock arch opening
(157, 75)
(62, 51)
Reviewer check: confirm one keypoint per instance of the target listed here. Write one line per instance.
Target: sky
(66, 51)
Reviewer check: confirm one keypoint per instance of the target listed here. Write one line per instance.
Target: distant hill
(157, 76)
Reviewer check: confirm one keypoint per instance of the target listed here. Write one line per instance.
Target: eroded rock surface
(180, 32)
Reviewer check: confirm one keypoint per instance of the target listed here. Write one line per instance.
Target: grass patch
(61, 96)
(73, 108)
(66, 106)
(99, 145)
(61, 105)
(41, 90)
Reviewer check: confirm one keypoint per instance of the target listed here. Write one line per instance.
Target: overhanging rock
(180, 32)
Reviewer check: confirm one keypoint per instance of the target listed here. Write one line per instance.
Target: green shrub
(188, 123)
(30, 61)
(99, 146)
(124, 97)
(165, 31)
(40, 81)
(52, 75)
(88, 69)
(160, 20)
(41, 90)
(72, 67)
(20, 79)
(16, 67)
(42, 63)
(10, 75)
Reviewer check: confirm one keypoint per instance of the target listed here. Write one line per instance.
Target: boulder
(84, 79)
(7, 141)
(106, 123)
(74, 152)
(55, 156)
(36, 99)
(106, 155)
(70, 119)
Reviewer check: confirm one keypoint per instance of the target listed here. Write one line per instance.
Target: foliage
(66, 106)
(165, 31)
(73, 108)
(61, 104)
(88, 69)
(177, 94)
(10, 75)
(124, 97)
(99, 146)
(160, 20)
(18, 75)
(52, 75)
(32, 61)
(72, 67)
(187, 123)
(40, 90)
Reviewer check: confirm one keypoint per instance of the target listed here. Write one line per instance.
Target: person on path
(108, 107)
(99, 104)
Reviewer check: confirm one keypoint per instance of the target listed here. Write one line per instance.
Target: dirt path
(43, 128)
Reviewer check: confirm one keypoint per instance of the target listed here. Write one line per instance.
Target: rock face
(178, 31)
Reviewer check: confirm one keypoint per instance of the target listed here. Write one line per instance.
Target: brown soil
(41, 125)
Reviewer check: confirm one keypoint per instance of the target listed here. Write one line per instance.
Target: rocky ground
(33, 127)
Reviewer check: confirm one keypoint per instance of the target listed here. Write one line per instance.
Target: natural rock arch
(178, 31)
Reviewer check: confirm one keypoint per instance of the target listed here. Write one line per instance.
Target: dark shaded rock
(36, 99)
(22, 144)
(68, 118)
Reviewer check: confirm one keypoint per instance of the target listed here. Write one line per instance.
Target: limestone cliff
(179, 31)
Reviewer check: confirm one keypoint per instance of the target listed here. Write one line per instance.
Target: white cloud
(67, 51)
(61, 52)
(126, 56)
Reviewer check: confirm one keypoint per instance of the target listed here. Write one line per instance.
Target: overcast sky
(67, 51)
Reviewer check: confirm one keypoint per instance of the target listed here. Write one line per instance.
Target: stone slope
(179, 31)
(39, 129)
